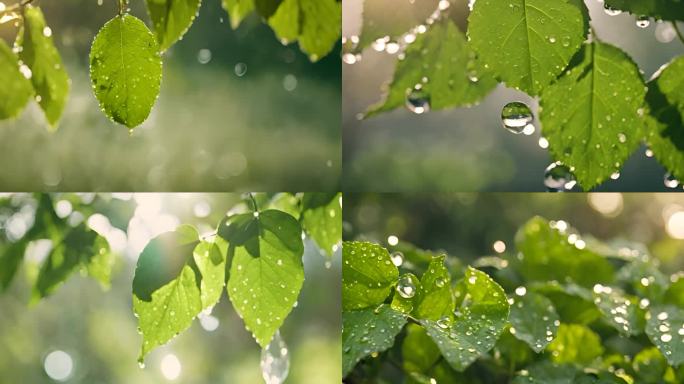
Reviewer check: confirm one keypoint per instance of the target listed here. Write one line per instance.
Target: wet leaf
(171, 19)
(434, 299)
(16, 89)
(322, 219)
(659, 9)
(575, 343)
(406, 304)
(534, 319)
(238, 10)
(379, 23)
(665, 329)
(620, 310)
(368, 275)
(419, 351)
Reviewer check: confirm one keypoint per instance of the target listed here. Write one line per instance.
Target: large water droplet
(440, 282)
(417, 100)
(444, 322)
(405, 287)
(516, 117)
(559, 178)
(610, 11)
(397, 258)
(643, 22)
(670, 181)
(275, 361)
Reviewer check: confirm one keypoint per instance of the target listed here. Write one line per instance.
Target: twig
(679, 33)
(256, 207)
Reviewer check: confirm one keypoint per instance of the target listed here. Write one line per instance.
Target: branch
(16, 6)
(679, 33)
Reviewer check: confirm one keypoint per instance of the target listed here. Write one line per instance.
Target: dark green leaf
(665, 328)
(368, 275)
(11, 255)
(266, 8)
(650, 366)
(171, 19)
(322, 219)
(575, 344)
(619, 310)
(574, 304)
(660, 9)
(534, 319)
(16, 88)
(126, 70)
(419, 351)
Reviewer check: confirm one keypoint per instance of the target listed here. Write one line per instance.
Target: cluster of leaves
(595, 107)
(126, 57)
(564, 309)
(256, 255)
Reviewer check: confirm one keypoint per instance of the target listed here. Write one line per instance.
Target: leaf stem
(16, 6)
(256, 207)
(679, 32)
(123, 5)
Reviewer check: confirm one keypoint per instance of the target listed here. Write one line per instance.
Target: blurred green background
(467, 225)
(97, 329)
(237, 111)
(467, 149)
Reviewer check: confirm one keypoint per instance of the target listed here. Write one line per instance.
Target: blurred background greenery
(237, 111)
(467, 149)
(468, 225)
(96, 329)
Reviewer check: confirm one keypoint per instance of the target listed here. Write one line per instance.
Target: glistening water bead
(405, 287)
(417, 100)
(516, 117)
(275, 361)
(559, 178)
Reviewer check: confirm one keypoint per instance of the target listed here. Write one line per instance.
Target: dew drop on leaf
(397, 258)
(559, 178)
(405, 287)
(417, 100)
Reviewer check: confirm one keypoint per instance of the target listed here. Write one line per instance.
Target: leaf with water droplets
(644, 278)
(434, 299)
(378, 23)
(419, 351)
(211, 263)
(575, 343)
(368, 275)
(314, 23)
(480, 319)
(16, 88)
(675, 292)
(125, 70)
(443, 65)
(649, 366)
(405, 293)
(545, 372)
(238, 10)
(665, 132)
(548, 255)
(266, 271)
(38, 52)
(171, 19)
(322, 219)
(620, 310)
(592, 115)
(659, 9)
(368, 331)
(527, 43)
(665, 329)
(534, 319)
(573, 303)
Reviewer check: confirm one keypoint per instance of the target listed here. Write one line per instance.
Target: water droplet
(610, 11)
(204, 56)
(47, 32)
(275, 361)
(405, 287)
(521, 291)
(440, 282)
(559, 178)
(417, 100)
(665, 337)
(670, 181)
(516, 117)
(240, 69)
(643, 22)
(444, 322)
(58, 365)
(397, 258)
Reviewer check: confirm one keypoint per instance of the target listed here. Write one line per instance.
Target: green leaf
(322, 219)
(548, 255)
(574, 304)
(266, 8)
(171, 19)
(266, 271)
(481, 318)
(285, 202)
(534, 319)
(166, 287)
(80, 247)
(38, 52)
(665, 135)
(367, 331)
(527, 43)
(379, 22)
(650, 366)
(575, 344)
(125, 70)
(315, 23)
(16, 89)
(419, 351)
(454, 75)
(675, 292)
(621, 311)
(238, 10)
(405, 304)
(645, 278)
(665, 329)
(659, 9)
(547, 373)
(11, 255)
(211, 263)
(368, 275)
(434, 299)
(592, 115)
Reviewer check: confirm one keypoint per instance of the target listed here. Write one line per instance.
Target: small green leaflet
(548, 255)
(534, 320)
(419, 351)
(392, 18)
(649, 366)
(11, 255)
(176, 277)
(50, 80)
(126, 70)
(619, 310)
(434, 299)
(171, 19)
(238, 10)
(443, 65)
(665, 135)
(665, 328)
(80, 248)
(575, 344)
(531, 41)
(314, 23)
(477, 325)
(659, 9)
(367, 331)
(322, 219)
(590, 124)
(266, 271)
(16, 88)
(368, 275)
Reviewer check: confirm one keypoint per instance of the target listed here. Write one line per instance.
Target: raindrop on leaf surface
(417, 100)
(405, 287)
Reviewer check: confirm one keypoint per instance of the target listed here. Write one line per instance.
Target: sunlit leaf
(575, 344)
(171, 19)
(434, 299)
(238, 10)
(322, 219)
(16, 88)
(368, 275)
(534, 320)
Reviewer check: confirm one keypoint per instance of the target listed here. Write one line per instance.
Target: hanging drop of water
(417, 100)
(516, 117)
(275, 361)
(643, 22)
(559, 178)
(405, 287)
(610, 11)
(670, 181)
